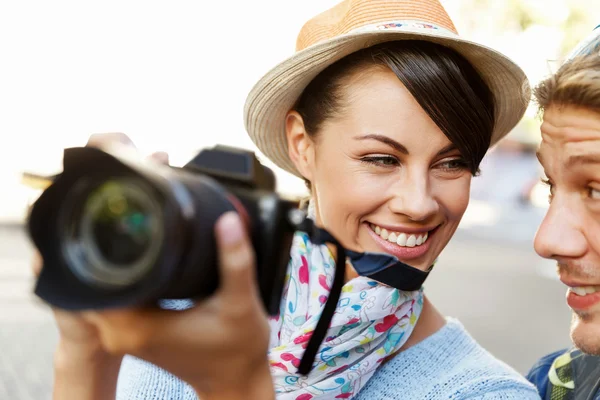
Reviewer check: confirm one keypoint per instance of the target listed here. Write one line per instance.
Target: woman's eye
(453, 165)
(384, 161)
(595, 194)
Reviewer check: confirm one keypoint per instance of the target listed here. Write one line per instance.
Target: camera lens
(118, 224)
(115, 235)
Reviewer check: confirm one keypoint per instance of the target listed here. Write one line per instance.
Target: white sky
(173, 75)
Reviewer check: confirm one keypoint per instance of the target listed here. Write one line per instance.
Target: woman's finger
(100, 140)
(137, 331)
(160, 157)
(36, 264)
(127, 331)
(237, 268)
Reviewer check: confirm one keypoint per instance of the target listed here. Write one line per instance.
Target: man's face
(570, 232)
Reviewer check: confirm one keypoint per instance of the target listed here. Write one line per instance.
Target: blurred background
(174, 76)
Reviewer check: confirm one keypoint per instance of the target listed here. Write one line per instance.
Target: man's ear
(300, 145)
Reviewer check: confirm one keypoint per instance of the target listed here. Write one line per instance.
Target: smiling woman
(387, 123)
(395, 131)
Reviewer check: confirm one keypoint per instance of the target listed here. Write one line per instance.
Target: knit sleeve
(509, 394)
(139, 379)
(501, 390)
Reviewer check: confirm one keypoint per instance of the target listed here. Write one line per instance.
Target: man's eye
(384, 161)
(550, 185)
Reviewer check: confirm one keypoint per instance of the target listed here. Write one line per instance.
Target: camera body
(114, 230)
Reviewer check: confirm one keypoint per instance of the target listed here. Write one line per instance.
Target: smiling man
(570, 232)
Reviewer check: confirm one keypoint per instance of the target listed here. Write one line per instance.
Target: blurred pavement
(27, 331)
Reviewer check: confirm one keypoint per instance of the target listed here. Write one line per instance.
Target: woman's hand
(220, 346)
(84, 370)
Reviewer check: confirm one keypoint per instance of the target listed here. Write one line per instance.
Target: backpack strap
(573, 375)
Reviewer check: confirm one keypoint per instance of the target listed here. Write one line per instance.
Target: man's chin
(585, 332)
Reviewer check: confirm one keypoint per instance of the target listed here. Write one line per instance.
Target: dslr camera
(115, 230)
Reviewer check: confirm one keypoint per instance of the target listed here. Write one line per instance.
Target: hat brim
(276, 93)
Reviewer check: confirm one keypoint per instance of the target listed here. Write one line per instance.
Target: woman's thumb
(237, 268)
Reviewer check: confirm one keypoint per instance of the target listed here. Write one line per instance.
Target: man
(570, 233)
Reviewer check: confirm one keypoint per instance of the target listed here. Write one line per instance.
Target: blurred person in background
(570, 233)
(386, 112)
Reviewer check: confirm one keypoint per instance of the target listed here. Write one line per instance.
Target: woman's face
(384, 177)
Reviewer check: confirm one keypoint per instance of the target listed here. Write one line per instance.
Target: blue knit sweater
(447, 365)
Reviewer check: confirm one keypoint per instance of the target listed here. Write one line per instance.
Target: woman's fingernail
(160, 157)
(230, 228)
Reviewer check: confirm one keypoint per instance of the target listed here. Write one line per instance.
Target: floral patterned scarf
(372, 321)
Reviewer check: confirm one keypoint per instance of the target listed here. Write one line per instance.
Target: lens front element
(115, 238)
(118, 224)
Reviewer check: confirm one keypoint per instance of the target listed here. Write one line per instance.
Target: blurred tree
(584, 15)
(573, 18)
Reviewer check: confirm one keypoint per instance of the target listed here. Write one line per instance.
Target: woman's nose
(414, 199)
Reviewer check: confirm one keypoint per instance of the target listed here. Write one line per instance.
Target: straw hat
(356, 24)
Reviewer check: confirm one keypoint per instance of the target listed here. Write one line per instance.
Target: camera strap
(379, 267)
(321, 236)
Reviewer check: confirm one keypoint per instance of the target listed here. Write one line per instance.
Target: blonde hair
(576, 83)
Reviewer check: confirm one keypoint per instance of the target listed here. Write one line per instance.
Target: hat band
(403, 26)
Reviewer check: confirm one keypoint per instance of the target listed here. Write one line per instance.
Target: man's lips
(581, 295)
(582, 302)
(576, 283)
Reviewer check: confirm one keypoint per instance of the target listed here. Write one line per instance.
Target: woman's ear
(300, 145)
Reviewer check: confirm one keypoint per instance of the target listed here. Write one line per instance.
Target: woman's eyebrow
(451, 147)
(398, 146)
(384, 139)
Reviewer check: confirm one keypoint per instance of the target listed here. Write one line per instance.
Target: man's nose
(560, 233)
(413, 198)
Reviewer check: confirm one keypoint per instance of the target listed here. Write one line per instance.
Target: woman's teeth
(584, 290)
(400, 238)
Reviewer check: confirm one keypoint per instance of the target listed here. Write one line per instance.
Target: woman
(386, 113)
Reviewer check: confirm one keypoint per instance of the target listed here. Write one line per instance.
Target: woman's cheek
(453, 196)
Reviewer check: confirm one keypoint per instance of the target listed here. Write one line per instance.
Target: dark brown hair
(576, 83)
(444, 83)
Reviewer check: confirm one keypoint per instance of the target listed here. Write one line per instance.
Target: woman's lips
(403, 252)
